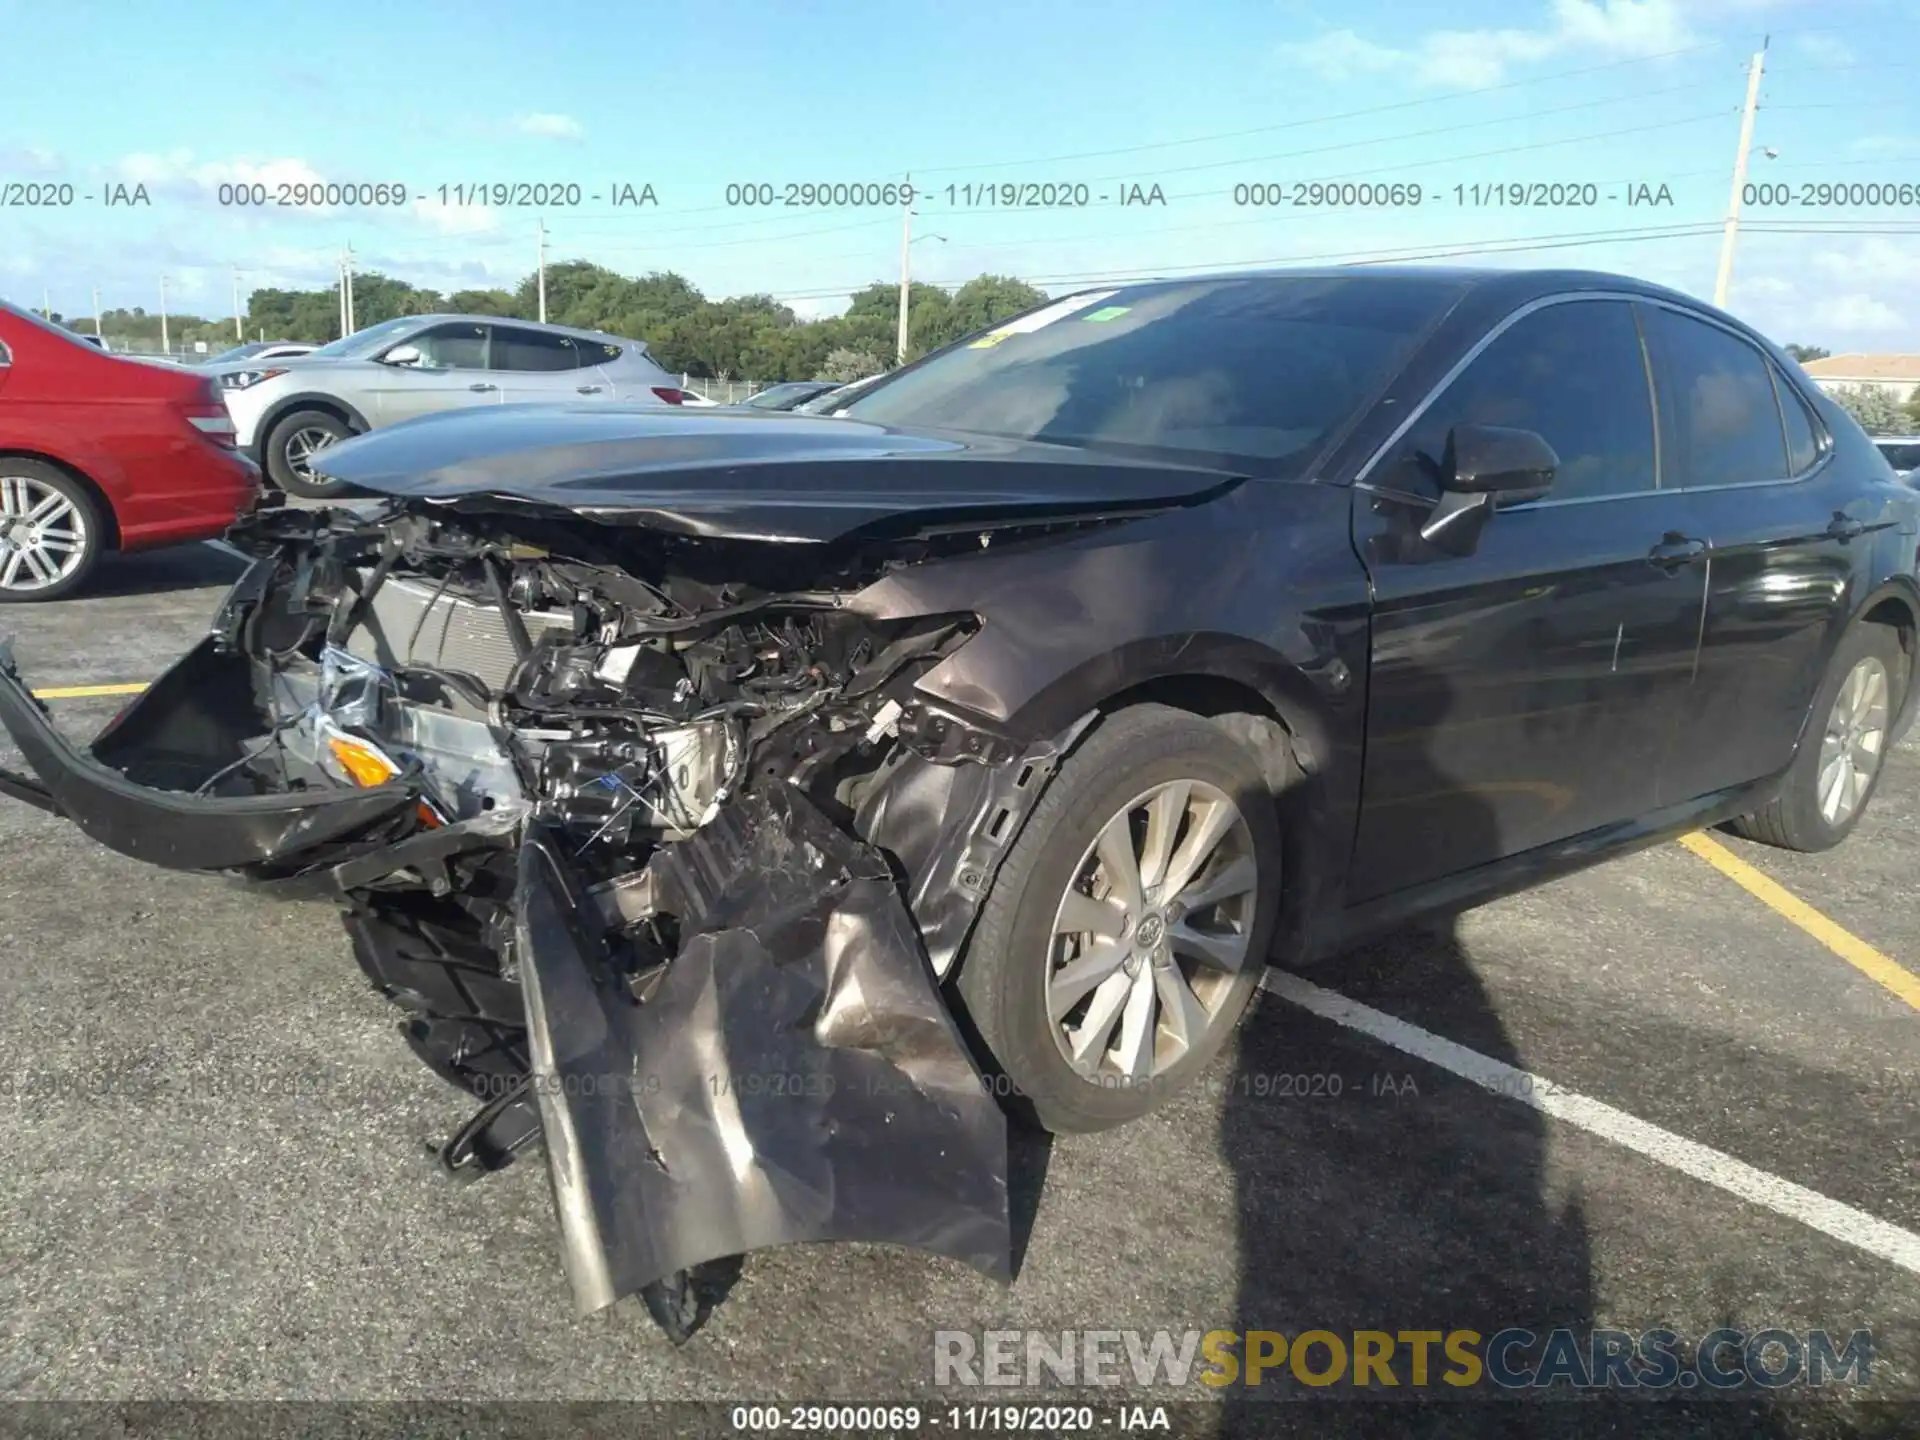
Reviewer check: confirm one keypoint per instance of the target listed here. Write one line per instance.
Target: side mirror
(1485, 465)
(402, 355)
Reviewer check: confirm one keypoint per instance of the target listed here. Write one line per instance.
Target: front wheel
(1129, 926)
(1834, 775)
(292, 446)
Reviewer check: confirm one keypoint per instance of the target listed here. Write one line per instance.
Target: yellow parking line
(1782, 901)
(80, 692)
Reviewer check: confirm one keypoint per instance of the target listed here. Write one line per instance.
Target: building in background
(1898, 375)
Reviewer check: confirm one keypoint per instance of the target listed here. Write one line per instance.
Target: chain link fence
(723, 392)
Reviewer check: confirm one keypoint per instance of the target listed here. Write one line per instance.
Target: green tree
(847, 365)
(486, 302)
(987, 300)
(1804, 353)
(1873, 406)
(1913, 411)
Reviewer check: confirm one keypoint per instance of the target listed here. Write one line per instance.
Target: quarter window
(6, 355)
(1720, 420)
(1574, 373)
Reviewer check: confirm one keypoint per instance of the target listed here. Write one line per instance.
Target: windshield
(1256, 373)
(776, 397)
(365, 342)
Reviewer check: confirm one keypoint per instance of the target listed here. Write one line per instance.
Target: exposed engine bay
(662, 865)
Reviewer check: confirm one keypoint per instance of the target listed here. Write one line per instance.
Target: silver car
(284, 411)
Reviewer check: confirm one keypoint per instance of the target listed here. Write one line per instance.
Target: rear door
(1784, 528)
(1526, 692)
(451, 374)
(539, 365)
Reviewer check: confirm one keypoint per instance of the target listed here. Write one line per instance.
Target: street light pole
(1725, 276)
(238, 333)
(542, 268)
(906, 242)
(165, 348)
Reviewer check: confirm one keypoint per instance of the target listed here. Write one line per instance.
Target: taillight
(670, 395)
(207, 413)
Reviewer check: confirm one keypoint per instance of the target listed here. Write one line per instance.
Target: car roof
(572, 330)
(1523, 284)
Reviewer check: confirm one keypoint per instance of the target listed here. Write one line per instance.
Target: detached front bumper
(136, 788)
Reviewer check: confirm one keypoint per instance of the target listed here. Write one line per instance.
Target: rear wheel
(1833, 777)
(51, 531)
(292, 445)
(1129, 926)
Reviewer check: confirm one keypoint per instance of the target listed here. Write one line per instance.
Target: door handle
(1845, 527)
(589, 389)
(1675, 550)
(482, 385)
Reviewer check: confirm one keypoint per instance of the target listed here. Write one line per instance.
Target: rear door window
(516, 349)
(1719, 417)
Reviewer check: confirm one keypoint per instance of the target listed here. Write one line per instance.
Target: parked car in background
(1902, 452)
(832, 400)
(101, 453)
(259, 350)
(288, 410)
(790, 395)
(98, 342)
(695, 401)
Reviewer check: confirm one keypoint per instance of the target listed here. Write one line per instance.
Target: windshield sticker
(1039, 319)
(1108, 312)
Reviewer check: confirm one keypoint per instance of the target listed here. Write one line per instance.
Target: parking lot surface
(215, 1179)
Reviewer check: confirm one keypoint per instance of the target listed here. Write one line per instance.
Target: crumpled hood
(794, 478)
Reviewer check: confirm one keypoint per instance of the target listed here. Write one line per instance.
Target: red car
(101, 453)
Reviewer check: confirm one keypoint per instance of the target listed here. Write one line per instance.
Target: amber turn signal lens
(366, 765)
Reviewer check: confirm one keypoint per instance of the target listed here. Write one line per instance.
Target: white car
(1902, 452)
(286, 411)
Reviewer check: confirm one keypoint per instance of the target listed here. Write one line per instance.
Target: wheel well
(1245, 713)
(1895, 611)
(321, 403)
(103, 505)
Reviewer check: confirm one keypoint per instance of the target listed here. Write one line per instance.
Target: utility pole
(46, 302)
(906, 240)
(351, 326)
(165, 348)
(340, 268)
(542, 269)
(1725, 274)
(238, 333)
(98, 334)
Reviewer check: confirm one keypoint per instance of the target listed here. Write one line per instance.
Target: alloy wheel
(1151, 933)
(303, 444)
(43, 535)
(1855, 740)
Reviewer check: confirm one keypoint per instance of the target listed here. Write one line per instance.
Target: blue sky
(1196, 98)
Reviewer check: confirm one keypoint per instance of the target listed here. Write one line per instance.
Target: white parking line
(1723, 1172)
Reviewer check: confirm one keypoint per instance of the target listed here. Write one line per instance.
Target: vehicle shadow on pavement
(1379, 1193)
(147, 572)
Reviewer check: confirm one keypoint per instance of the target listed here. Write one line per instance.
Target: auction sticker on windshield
(1039, 319)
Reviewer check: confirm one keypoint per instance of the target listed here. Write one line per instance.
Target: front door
(451, 374)
(1526, 692)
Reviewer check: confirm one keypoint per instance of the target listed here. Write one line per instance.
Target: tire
(1870, 658)
(52, 556)
(292, 430)
(1015, 960)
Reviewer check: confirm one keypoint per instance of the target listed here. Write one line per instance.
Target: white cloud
(1824, 49)
(456, 219)
(550, 127)
(1475, 59)
(1861, 312)
(179, 173)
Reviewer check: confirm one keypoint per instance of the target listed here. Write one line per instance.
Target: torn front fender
(792, 1076)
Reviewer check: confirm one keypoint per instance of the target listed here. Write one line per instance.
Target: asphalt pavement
(215, 1179)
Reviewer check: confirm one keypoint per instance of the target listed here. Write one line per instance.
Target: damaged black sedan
(751, 811)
